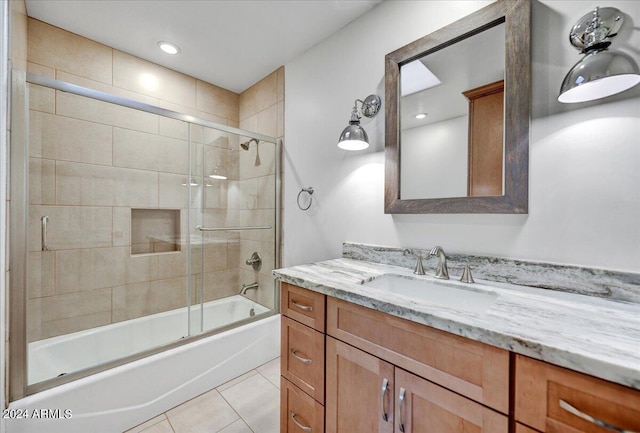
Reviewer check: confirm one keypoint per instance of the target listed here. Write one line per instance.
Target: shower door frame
(18, 233)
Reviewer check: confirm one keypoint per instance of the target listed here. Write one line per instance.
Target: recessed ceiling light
(168, 47)
(421, 115)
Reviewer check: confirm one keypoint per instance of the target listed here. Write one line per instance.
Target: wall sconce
(354, 137)
(600, 73)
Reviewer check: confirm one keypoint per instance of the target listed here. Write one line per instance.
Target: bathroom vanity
(359, 357)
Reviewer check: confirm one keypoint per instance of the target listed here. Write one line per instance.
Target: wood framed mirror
(505, 162)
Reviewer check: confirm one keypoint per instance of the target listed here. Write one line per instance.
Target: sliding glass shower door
(233, 199)
(143, 231)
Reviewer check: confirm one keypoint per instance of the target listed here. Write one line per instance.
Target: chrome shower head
(246, 145)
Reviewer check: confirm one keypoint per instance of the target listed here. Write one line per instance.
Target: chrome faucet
(419, 270)
(441, 270)
(245, 287)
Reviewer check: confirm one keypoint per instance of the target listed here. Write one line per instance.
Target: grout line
(234, 409)
(169, 420)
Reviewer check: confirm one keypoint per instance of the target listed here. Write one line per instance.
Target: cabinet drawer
(470, 368)
(303, 305)
(521, 428)
(302, 357)
(298, 412)
(540, 387)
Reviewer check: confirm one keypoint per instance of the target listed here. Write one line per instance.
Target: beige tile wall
(92, 162)
(261, 110)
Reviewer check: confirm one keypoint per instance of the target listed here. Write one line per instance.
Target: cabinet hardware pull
(566, 406)
(302, 307)
(223, 229)
(400, 404)
(43, 244)
(385, 389)
(300, 358)
(302, 427)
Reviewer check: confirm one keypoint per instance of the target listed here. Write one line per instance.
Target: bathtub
(117, 399)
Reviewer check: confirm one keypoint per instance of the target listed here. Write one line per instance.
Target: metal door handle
(571, 409)
(302, 427)
(43, 244)
(385, 389)
(300, 358)
(225, 229)
(400, 404)
(302, 307)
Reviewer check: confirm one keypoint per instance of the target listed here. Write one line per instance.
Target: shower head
(246, 145)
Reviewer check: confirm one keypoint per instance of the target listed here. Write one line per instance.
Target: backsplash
(602, 283)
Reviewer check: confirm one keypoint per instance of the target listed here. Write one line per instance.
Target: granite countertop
(595, 336)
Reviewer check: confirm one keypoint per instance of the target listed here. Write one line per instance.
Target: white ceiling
(229, 43)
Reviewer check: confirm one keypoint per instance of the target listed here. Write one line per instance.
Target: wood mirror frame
(516, 15)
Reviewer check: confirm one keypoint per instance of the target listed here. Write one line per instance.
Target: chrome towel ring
(308, 191)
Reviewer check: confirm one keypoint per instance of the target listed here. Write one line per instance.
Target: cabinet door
(424, 407)
(357, 399)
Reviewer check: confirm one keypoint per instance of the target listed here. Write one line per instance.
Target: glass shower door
(106, 264)
(233, 208)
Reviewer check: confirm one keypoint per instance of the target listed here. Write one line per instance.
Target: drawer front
(303, 305)
(424, 406)
(470, 368)
(299, 413)
(521, 428)
(302, 357)
(541, 387)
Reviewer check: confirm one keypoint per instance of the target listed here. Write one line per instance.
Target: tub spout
(245, 287)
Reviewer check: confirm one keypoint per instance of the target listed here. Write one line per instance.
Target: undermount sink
(441, 293)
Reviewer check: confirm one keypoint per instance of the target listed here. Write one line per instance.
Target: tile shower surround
(602, 283)
(135, 160)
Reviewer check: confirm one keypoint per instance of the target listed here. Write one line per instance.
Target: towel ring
(308, 191)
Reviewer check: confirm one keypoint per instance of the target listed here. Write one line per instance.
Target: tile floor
(247, 404)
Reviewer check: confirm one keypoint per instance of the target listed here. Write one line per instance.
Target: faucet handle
(466, 275)
(419, 269)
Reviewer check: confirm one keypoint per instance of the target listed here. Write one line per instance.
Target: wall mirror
(457, 116)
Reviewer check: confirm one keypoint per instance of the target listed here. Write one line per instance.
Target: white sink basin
(441, 293)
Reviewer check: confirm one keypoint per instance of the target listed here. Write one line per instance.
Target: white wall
(584, 205)
(434, 159)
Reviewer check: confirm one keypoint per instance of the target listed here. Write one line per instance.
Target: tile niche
(155, 231)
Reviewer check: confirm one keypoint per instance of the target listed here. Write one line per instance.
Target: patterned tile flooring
(247, 404)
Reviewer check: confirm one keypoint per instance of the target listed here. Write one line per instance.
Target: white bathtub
(117, 399)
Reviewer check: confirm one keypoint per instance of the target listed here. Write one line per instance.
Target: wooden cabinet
(359, 391)
(303, 306)
(302, 359)
(375, 373)
(367, 394)
(521, 428)
(424, 407)
(557, 400)
(475, 370)
(298, 411)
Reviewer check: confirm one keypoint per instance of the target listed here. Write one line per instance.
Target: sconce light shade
(600, 73)
(354, 137)
(597, 75)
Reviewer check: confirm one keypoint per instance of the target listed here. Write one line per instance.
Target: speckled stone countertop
(587, 334)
